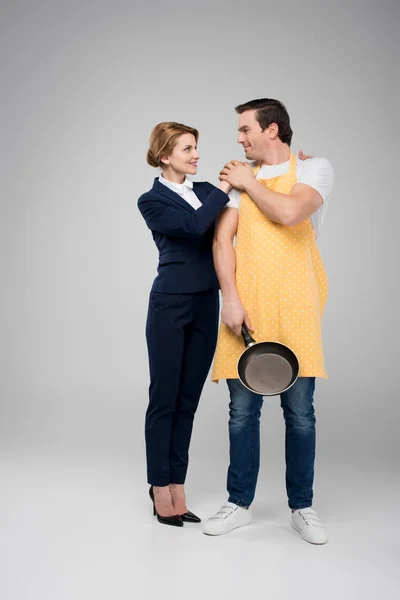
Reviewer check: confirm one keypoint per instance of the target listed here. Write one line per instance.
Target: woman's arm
(172, 221)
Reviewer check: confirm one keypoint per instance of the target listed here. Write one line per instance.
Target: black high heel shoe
(176, 520)
(189, 517)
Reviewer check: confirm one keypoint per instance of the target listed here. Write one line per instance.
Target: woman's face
(184, 157)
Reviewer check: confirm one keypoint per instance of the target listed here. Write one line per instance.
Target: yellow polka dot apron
(281, 283)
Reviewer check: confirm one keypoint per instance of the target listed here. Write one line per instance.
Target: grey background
(83, 85)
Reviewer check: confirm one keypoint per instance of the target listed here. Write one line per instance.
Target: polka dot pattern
(282, 284)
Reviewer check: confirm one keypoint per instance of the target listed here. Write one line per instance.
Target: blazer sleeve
(167, 219)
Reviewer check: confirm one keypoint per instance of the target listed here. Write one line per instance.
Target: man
(274, 282)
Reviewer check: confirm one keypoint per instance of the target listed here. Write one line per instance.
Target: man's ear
(273, 131)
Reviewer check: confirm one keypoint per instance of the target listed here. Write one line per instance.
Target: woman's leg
(167, 319)
(200, 342)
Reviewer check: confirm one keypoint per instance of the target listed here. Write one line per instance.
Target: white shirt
(185, 190)
(315, 172)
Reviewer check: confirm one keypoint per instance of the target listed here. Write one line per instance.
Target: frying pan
(267, 368)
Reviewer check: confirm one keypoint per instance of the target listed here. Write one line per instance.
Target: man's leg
(298, 410)
(244, 441)
(244, 437)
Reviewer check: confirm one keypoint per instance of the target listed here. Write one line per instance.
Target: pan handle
(248, 340)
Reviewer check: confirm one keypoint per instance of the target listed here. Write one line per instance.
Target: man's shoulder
(314, 164)
(317, 172)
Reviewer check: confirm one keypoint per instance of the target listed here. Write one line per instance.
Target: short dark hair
(270, 111)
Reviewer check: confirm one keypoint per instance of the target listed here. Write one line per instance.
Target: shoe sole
(225, 532)
(305, 539)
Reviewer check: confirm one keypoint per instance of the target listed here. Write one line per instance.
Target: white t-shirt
(315, 172)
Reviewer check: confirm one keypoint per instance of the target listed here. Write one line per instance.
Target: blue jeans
(244, 437)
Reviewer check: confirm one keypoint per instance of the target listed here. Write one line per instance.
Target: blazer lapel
(176, 198)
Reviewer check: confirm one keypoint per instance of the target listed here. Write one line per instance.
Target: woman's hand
(224, 186)
(304, 156)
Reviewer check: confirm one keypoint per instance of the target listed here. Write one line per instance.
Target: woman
(182, 321)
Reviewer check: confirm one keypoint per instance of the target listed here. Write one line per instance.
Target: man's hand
(237, 174)
(304, 156)
(233, 315)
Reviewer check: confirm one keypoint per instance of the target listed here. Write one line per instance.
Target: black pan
(267, 368)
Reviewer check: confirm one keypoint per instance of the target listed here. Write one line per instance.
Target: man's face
(251, 136)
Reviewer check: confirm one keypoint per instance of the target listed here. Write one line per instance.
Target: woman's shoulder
(151, 194)
(144, 197)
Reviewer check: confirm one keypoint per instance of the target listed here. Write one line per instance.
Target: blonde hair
(163, 139)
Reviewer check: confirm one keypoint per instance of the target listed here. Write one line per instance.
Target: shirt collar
(179, 188)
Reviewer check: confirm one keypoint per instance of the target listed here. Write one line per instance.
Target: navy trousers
(181, 333)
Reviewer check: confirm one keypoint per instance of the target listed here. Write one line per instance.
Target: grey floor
(78, 530)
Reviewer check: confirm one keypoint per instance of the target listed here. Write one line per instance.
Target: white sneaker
(306, 522)
(229, 517)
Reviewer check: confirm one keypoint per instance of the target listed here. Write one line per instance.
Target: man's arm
(233, 313)
(287, 209)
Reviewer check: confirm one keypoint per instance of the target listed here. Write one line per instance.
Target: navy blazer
(183, 236)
